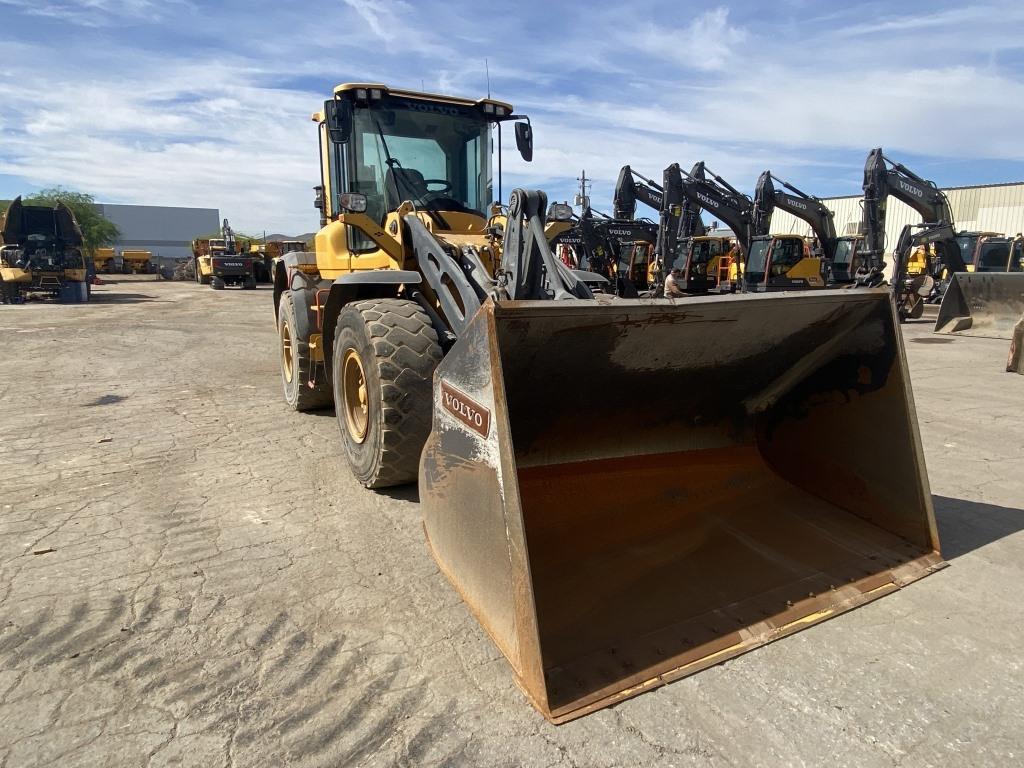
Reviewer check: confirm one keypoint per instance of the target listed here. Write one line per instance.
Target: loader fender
(295, 270)
(378, 283)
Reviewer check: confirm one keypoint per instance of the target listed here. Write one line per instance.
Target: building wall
(991, 208)
(166, 231)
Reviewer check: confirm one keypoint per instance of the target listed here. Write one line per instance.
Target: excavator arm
(884, 178)
(716, 196)
(806, 207)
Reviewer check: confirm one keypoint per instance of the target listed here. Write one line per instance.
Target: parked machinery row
(624, 490)
(926, 256)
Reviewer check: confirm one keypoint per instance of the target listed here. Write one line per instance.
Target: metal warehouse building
(984, 208)
(165, 231)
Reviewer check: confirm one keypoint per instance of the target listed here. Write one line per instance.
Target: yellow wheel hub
(287, 362)
(357, 411)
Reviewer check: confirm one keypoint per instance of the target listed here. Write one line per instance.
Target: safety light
(352, 201)
(361, 94)
(502, 111)
(375, 93)
(488, 108)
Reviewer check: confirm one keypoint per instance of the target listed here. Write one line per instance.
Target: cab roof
(422, 95)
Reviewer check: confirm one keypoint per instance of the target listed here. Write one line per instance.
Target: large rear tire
(385, 353)
(296, 363)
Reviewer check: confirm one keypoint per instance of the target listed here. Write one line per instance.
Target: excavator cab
(708, 262)
(781, 263)
(846, 260)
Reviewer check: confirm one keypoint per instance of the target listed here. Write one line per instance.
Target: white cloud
(201, 126)
(706, 43)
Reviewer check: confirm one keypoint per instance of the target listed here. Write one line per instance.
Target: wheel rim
(357, 411)
(287, 364)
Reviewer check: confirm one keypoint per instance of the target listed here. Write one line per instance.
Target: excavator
(607, 544)
(884, 178)
(42, 252)
(703, 262)
(607, 246)
(788, 262)
(223, 261)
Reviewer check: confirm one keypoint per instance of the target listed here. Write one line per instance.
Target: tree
(96, 230)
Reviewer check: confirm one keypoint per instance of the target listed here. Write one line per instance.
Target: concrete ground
(213, 588)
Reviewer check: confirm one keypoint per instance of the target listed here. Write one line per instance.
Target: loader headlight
(352, 201)
(560, 212)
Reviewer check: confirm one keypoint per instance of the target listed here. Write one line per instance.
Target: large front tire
(385, 353)
(296, 362)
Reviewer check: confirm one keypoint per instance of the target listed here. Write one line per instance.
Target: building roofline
(944, 189)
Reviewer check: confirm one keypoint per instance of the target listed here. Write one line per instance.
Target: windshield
(1017, 256)
(786, 253)
(844, 250)
(705, 250)
(756, 259)
(438, 160)
(993, 257)
(967, 243)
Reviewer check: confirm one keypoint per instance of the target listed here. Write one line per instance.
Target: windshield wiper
(393, 163)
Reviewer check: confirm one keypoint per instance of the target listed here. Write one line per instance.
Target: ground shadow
(933, 340)
(106, 400)
(965, 526)
(407, 492)
(124, 298)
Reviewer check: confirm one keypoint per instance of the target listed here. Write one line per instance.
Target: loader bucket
(628, 492)
(982, 304)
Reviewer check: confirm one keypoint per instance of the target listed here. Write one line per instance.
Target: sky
(177, 102)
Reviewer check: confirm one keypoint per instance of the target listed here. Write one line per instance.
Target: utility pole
(583, 196)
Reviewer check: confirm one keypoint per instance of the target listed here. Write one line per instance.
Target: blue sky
(177, 102)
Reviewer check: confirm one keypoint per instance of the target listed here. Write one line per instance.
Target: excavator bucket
(982, 304)
(629, 492)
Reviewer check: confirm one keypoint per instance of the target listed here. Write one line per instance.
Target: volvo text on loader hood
(624, 491)
(42, 252)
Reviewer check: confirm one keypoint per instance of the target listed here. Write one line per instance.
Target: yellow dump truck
(138, 262)
(106, 261)
(624, 491)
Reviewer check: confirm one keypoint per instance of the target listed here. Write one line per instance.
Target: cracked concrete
(222, 593)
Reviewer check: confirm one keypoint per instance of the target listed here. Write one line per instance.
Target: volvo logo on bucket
(465, 409)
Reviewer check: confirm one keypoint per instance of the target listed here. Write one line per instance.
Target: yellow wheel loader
(624, 491)
(42, 253)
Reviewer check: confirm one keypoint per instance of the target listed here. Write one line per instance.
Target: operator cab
(382, 147)
(783, 262)
(1000, 254)
(845, 261)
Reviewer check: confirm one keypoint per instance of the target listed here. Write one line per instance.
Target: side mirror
(353, 202)
(338, 115)
(524, 140)
(318, 200)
